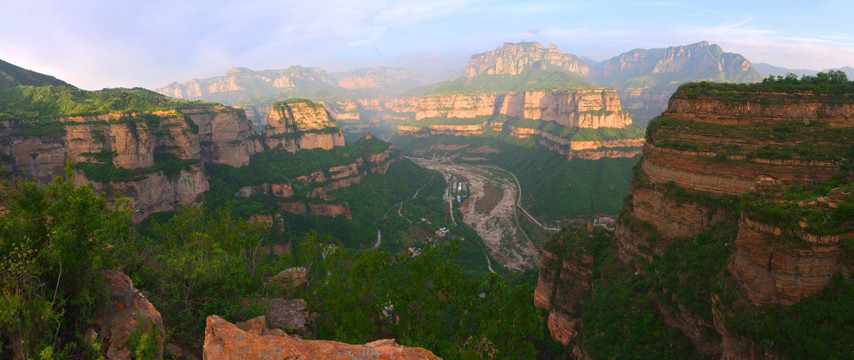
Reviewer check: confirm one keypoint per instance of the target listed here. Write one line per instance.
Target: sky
(95, 44)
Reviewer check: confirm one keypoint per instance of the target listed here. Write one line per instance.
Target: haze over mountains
(644, 78)
(724, 229)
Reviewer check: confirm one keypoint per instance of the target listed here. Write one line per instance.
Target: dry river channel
(491, 209)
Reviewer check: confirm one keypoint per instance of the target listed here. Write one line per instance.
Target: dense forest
(58, 239)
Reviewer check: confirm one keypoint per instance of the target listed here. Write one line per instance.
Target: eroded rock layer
(740, 208)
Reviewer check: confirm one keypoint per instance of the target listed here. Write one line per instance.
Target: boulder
(127, 312)
(252, 340)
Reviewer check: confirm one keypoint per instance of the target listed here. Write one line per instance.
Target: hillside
(11, 76)
(735, 239)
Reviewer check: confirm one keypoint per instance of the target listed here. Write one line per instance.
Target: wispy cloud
(658, 3)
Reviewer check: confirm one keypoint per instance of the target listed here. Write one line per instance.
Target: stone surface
(298, 125)
(224, 340)
(205, 134)
(127, 309)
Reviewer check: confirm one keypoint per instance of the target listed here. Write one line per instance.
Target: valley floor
(491, 209)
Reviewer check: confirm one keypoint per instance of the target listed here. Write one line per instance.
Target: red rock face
(127, 310)
(224, 340)
(562, 287)
(770, 272)
(295, 126)
(207, 134)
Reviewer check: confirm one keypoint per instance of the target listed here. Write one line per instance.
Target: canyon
(158, 158)
(713, 148)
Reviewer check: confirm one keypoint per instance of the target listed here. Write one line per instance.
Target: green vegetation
(529, 80)
(49, 102)
(552, 187)
(813, 328)
(11, 76)
(794, 140)
(281, 166)
(619, 318)
(199, 263)
(422, 300)
(834, 85)
(53, 249)
(107, 172)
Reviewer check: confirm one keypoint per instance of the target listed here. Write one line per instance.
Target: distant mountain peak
(516, 58)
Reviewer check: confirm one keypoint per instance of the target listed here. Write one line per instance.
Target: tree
(54, 241)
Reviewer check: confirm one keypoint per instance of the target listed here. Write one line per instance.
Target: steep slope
(738, 224)
(11, 75)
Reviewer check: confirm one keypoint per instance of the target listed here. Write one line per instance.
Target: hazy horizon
(100, 44)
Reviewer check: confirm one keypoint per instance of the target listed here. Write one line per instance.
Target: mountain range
(644, 78)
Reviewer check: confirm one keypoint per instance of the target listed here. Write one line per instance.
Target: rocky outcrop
(130, 149)
(291, 314)
(743, 171)
(564, 284)
(295, 125)
(586, 108)
(252, 340)
(156, 192)
(128, 311)
(772, 272)
(513, 59)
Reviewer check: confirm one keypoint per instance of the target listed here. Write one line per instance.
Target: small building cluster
(605, 222)
(442, 232)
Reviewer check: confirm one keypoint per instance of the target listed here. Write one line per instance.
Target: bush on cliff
(54, 242)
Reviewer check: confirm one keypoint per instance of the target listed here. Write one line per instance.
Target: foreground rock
(127, 311)
(252, 340)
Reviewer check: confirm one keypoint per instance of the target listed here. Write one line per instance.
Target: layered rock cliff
(297, 124)
(154, 158)
(573, 108)
(742, 203)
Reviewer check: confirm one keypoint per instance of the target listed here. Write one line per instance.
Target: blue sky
(95, 43)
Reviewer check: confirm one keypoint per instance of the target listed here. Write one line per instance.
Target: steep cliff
(299, 182)
(297, 124)
(514, 59)
(150, 152)
(588, 123)
(739, 221)
(572, 108)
